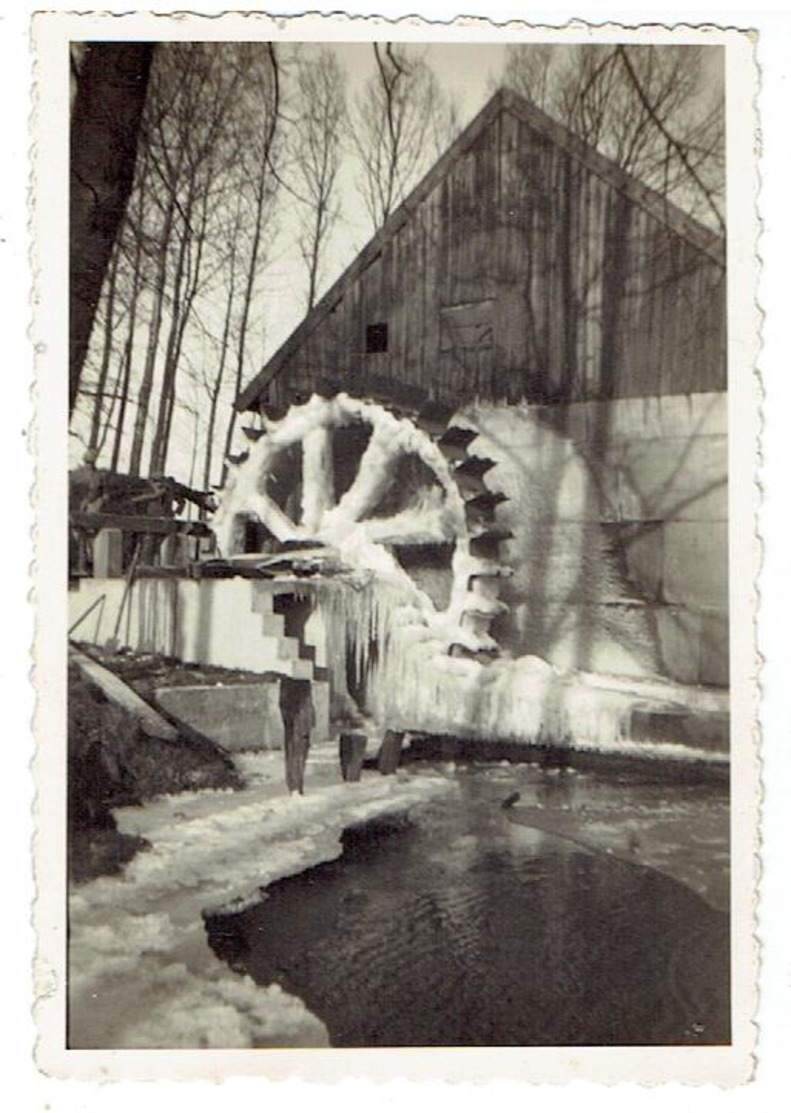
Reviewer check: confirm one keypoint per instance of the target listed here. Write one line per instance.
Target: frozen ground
(141, 974)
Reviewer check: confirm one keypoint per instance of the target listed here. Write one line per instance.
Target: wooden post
(108, 554)
(390, 753)
(296, 708)
(352, 752)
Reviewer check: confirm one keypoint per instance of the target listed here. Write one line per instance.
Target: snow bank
(141, 971)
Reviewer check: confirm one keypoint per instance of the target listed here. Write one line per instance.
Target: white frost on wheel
(348, 525)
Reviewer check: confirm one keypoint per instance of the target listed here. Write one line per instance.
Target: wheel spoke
(270, 515)
(318, 477)
(374, 476)
(389, 530)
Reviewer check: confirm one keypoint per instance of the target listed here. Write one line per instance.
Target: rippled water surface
(469, 927)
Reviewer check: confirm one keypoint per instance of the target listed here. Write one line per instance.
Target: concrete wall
(659, 468)
(228, 623)
(209, 622)
(238, 716)
(224, 623)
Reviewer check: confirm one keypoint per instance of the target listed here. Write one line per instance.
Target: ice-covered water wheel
(395, 495)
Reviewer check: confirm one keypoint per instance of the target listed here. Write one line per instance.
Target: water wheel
(387, 492)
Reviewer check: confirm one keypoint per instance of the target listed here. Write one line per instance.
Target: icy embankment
(141, 974)
(399, 653)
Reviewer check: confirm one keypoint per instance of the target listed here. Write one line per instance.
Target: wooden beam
(120, 694)
(390, 753)
(296, 709)
(137, 523)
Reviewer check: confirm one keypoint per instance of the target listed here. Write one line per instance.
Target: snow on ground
(141, 973)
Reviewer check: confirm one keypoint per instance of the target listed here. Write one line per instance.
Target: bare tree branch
(672, 142)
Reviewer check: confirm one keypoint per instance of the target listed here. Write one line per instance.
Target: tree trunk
(159, 446)
(248, 297)
(155, 325)
(217, 387)
(252, 268)
(126, 374)
(101, 383)
(105, 124)
(180, 321)
(315, 251)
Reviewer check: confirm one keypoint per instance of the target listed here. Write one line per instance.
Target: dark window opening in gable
(376, 337)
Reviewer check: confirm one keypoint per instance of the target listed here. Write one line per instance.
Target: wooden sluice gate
(390, 753)
(296, 707)
(351, 746)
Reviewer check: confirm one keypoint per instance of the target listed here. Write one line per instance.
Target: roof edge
(705, 239)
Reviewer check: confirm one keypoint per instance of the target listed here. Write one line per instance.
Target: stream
(589, 910)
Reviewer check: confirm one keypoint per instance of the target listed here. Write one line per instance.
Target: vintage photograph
(399, 681)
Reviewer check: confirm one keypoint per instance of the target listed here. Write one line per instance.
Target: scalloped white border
(698, 1065)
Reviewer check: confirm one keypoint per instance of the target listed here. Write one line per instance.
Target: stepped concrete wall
(222, 623)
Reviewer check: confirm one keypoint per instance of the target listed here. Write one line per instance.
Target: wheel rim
(428, 512)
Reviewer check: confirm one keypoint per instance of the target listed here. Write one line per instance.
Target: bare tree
(211, 152)
(132, 231)
(213, 385)
(159, 215)
(322, 112)
(194, 241)
(262, 108)
(395, 126)
(108, 103)
(692, 151)
(648, 108)
(108, 330)
(185, 135)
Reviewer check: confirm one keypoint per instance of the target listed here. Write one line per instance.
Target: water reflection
(556, 789)
(468, 929)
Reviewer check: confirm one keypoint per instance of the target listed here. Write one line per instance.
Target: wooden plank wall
(593, 297)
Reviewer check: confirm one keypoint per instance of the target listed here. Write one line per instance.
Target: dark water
(465, 929)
